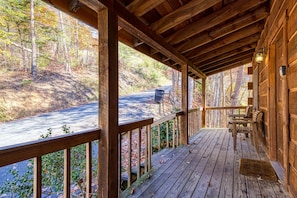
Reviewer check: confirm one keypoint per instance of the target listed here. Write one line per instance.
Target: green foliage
(21, 185)
(26, 82)
(52, 171)
(3, 112)
(163, 138)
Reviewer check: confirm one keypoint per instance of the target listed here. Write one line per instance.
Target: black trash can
(159, 95)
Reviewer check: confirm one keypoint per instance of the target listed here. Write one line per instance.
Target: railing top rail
(193, 110)
(218, 108)
(20, 152)
(164, 119)
(129, 126)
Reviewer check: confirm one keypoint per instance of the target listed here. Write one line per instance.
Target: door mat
(257, 168)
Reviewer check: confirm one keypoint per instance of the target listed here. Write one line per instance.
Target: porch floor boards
(207, 167)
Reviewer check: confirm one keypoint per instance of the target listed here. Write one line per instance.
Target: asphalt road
(132, 107)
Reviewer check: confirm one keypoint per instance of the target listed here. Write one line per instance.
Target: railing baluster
(159, 137)
(167, 135)
(88, 169)
(139, 153)
(67, 172)
(129, 157)
(37, 177)
(146, 153)
(149, 147)
(173, 134)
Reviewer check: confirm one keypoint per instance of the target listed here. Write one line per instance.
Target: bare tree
(33, 38)
(238, 82)
(65, 49)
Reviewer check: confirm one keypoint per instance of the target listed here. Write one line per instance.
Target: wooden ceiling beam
(84, 14)
(226, 40)
(227, 61)
(182, 14)
(228, 67)
(212, 20)
(137, 28)
(141, 7)
(247, 42)
(93, 4)
(129, 40)
(230, 54)
(224, 30)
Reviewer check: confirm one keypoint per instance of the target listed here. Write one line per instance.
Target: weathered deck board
(208, 167)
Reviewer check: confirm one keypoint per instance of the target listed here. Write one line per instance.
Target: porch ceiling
(209, 35)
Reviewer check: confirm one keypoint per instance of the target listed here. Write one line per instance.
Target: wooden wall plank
(263, 102)
(250, 101)
(292, 23)
(250, 70)
(263, 88)
(293, 180)
(293, 128)
(263, 75)
(271, 101)
(292, 49)
(292, 73)
(293, 102)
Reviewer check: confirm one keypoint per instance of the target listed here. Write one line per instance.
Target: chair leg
(234, 134)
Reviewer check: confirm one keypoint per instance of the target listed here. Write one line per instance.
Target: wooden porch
(207, 167)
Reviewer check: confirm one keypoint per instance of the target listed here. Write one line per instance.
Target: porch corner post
(108, 183)
(203, 102)
(184, 118)
(285, 100)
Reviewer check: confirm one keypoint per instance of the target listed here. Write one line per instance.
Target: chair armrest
(237, 115)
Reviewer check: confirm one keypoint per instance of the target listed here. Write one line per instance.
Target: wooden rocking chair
(247, 126)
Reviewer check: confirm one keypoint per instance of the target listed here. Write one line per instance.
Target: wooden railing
(135, 154)
(217, 117)
(36, 149)
(194, 121)
(167, 132)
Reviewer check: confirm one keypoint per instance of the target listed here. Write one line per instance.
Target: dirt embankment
(20, 96)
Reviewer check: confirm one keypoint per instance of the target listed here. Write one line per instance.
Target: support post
(203, 102)
(285, 100)
(185, 97)
(108, 183)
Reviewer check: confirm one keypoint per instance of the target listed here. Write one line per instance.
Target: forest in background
(50, 61)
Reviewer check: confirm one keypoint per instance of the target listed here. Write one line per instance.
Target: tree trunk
(34, 56)
(77, 44)
(190, 92)
(238, 82)
(66, 60)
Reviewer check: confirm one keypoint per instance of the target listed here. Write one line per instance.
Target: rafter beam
(227, 61)
(224, 30)
(141, 7)
(212, 20)
(227, 55)
(241, 34)
(228, 67)
(243, 43)
(142, 32)
(181, 14)
(93, 4)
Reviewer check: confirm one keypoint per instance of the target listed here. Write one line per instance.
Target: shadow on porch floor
(207, 167)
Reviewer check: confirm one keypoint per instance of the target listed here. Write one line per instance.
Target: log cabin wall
(279, 39)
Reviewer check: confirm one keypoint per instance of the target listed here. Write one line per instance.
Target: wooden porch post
(108, 104)
(184, 117)
(285, 100)
(203, 102)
